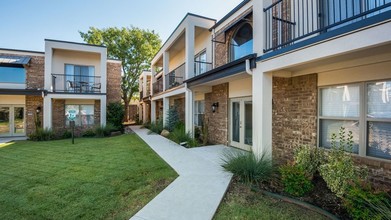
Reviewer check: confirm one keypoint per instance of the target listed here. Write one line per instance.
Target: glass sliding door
(241, 128)
(12, 121)
(5, 121)
(19, 128)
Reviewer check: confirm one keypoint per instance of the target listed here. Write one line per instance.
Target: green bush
(172, 118)
(362, 203)
(179, 135)
(67, 134)
(296, 181)
(104, 131)
(248, 167)
(339, 170)
(41, 134)
(309, 158)
(156, 127)
(89, 133)
(115, 115)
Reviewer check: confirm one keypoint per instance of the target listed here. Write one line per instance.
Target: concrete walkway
(200, 187)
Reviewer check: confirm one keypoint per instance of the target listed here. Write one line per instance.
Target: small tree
(115, 115)
(172, 118)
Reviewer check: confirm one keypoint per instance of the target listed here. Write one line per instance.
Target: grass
(109, 178)
(242, 203)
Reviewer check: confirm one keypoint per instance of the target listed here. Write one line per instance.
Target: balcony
(289, 22)
(175, 77)
(201, 67)
(158, 86)
(76, 84)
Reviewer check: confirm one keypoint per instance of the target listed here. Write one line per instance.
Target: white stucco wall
(62, 57)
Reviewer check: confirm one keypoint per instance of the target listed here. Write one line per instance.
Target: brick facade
(295, 123)
(35, 73)
(294, 114)
(222, 50)
(58, 115)
(113, 82)
(97, 112)
(32, 103)
(180, 104)
(217, 122)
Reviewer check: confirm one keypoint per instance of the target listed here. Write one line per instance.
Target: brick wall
(132, 112)
(222, 49)
(217, 122)
(58, 115)
(180, 104)
(97, 112)
(113, 82)
(294, 114)
(32, 102)
(35, 72)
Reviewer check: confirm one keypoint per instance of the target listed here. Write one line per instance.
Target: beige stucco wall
(201, 42)
(12, 99)
(177, 60)
(240, 88)
(62, 57)
(377, 71)
(199, 96)
(79, 102)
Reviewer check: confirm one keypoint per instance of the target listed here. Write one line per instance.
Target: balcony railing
(291, 21)
(158, 86)
(175, 77)
(148, 91)
(76, 83)
(141, 95)
(201, 67)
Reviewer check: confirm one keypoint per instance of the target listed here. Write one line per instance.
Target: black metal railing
(175, 77)
(141, 95)
(158, 86)
(148, 91)
(76, 83)
(291, 21)
(201, 67)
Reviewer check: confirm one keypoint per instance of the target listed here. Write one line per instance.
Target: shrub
(309, 158)
(296, 181)
(115, 115)
(362, 203)
(67, 134)
(172, 118)
(248, 167)
(41, 134)
(156, 127)
(89, 133)
(179, 135)
(339, 171)
(104, 131)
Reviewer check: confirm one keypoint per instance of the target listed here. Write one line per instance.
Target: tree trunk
(126, 115)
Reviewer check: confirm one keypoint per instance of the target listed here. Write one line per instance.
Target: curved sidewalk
(200, 187)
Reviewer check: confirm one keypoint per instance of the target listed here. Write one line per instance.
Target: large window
(84, 114)
(364, 109)
(200, 64)
(12, 74)
(199, 110)
(242, 42)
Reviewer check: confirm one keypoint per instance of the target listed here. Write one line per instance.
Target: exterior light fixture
(215, 106)
(38, 110)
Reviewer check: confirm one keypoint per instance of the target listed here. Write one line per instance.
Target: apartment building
(279, 74)
(37, 89)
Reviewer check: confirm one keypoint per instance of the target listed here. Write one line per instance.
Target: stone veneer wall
(58, 116)
(113, 82)
(222, 49)
(97, 112)
(32, 103)
(35, 73)
(294, 114)
(217, 122)
(180, 104)
(295, 123)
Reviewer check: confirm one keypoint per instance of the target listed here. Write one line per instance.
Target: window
(199, 110)
(343, 106)
(79, 75)
(12, 74)
(200, 64)
(242, 42)
(84, 114)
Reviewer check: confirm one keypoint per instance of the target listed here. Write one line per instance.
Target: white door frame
(241, 144)
(12, 120)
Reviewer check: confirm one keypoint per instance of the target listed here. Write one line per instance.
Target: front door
(241, 129)
(12, 121)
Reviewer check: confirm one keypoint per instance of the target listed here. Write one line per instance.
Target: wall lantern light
(215, 106)
(38, 110)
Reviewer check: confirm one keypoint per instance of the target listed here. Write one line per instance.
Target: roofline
(27, 51)
(243, 3)
(183, 19)
(70, 42)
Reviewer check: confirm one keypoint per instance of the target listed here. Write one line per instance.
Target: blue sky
(26, 23)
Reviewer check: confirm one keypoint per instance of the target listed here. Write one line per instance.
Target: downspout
(249, 71)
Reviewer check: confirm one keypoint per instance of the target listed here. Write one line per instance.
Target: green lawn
(105, 178)
(242, 203)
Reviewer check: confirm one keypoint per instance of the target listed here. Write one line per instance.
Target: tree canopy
(133, 46)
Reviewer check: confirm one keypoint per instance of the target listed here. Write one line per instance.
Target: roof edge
(241, 5)
(78, 43)
(26, 51)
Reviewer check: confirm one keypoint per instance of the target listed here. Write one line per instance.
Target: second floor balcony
(158, 86)
(80, 84)
(175, 78)
(201, 67)
(288, 22)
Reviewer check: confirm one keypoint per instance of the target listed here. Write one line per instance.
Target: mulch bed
(320, 196)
